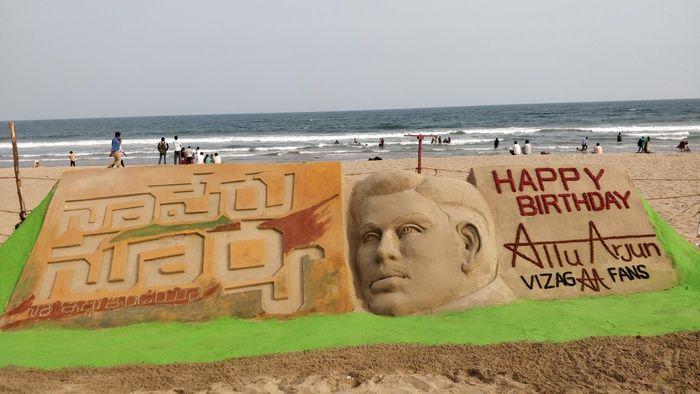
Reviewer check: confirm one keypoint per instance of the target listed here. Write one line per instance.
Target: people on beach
(598, 150)
(183, 156)
(640, 144)
(337, 142)
(381, 142)
(647, 145)
(683, 146)
(354, 140)
(71, 157)
(189, 155)
(516, 149)
(527, 148)
(447, 140)
(177, 146)
(619, 137)
(200, 157)
(208, 159)
(217, 158)
(36, 164)
(116, 150)
(495, 143)
(584, 144)
(162, 150)
(121, 150)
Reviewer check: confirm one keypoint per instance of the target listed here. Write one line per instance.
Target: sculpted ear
(472, 243)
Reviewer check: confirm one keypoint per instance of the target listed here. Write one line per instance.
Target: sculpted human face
(409, 258)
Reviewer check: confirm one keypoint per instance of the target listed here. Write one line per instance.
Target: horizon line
(351, 110)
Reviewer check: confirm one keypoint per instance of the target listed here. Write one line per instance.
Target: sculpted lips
(387, 282)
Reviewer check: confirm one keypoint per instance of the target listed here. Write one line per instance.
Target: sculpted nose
(388, 248)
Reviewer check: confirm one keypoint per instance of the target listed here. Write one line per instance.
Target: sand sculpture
(149, 243)
(572, 231)
(423, 244)
(254, 240)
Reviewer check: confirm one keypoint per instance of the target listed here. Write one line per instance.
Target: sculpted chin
(422, 244)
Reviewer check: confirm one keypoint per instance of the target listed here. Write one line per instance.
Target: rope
(665, 179)
(444, 169)
(29, 177)
(669, 197)
(8, 211)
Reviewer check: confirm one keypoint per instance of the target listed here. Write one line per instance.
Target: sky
(78, 59)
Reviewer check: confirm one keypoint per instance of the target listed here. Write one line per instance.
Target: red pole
(420, 152)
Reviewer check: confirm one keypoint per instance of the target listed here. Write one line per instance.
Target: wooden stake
(15, 156)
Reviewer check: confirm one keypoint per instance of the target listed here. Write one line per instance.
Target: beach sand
(671, 184)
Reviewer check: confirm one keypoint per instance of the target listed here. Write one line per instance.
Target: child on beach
(598, 150)
(516, 149)
(71, 157)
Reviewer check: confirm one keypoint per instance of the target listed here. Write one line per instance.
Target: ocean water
(555, 128)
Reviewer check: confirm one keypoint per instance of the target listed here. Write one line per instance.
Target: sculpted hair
(458, 199)
(446, 192)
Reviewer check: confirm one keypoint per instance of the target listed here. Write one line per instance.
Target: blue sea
(310, 136)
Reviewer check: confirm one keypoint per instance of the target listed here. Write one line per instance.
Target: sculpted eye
(370, 237)
(409, 229)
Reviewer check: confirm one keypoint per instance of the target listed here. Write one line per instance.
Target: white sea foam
(347, 137)
(643, 129)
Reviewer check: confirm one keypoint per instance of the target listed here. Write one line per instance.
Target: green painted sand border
(656, 313)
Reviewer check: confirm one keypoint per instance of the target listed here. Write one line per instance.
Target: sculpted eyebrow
(414, 217)
(368, 227)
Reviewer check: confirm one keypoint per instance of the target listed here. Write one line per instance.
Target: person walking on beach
(121, 150)
(162, 150)
(115, 152)
(71, 157)
(178, 149)
(619, 137)
(598, 150)
(495, 143)
(527, 148)
(640, 144)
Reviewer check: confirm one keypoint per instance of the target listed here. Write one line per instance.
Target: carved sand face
(408, 256)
